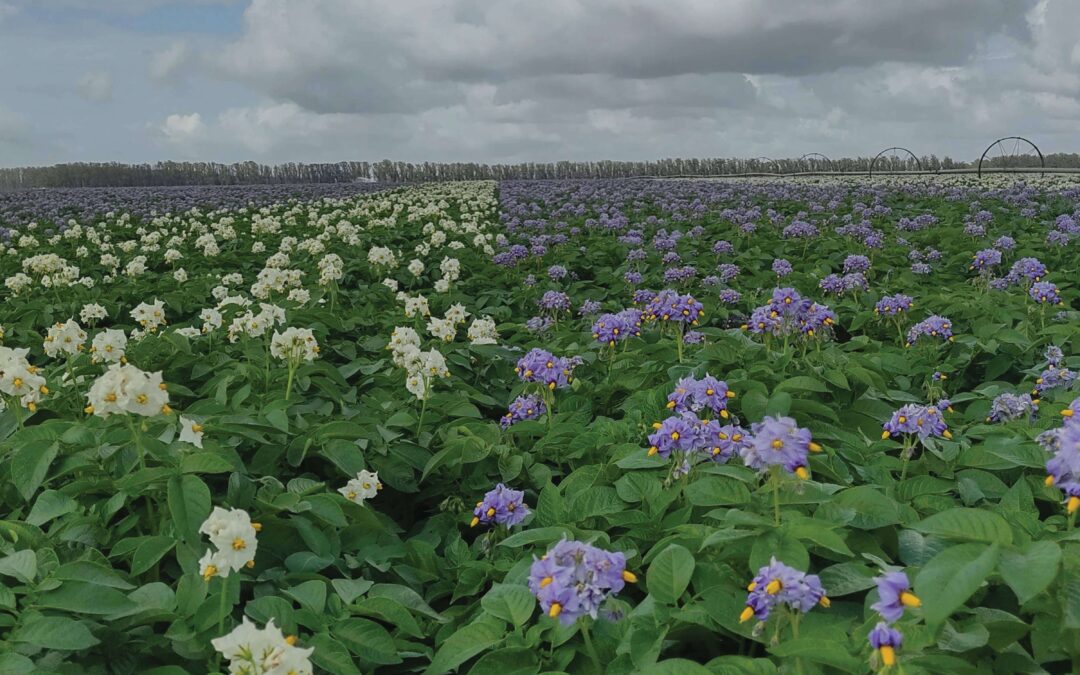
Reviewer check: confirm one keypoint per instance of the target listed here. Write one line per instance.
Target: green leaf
(968, 525)
(802, 383)
(151, 550)
(205, 462)
(351, 589)
(50, 504)
(21, 564)
(189, 504)
(669, 574)
(465, 643)
(818, 650)
(947, 581)
(55, 632)
(1032, 571)
(30, 465)
(509, 661)
(509, 602)
(368, 640)
(331, 655)
(83, 598)
(712, 490)
(539, 535)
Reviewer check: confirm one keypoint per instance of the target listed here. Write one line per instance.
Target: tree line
(114, 174)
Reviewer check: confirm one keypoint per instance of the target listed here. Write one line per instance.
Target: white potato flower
(92, 312)
(251, 651)
(482, 332)
(294, 344)
(365, 486)
(233, 535)
(126, 389)
(66, 338)
(108, 346)
(191, 432)
(150, 316)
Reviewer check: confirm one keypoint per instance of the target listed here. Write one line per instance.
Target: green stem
(589, 647)
(775, 479)
(288, 383)
(223, 610)
(420, 422)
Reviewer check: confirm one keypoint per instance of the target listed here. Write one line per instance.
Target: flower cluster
(422, 368)
(523, 408)
(779, 441)
(669, 305)
(893, 597)
(933, 326)
(891, 305)
(251, 651)
(574, 578)
(124, 389)
(1045, 293)
(19, 379)
(612, 328)
(544, 368)
(693, 395)
(294, 345)
(1008, 407)
(788, 313)
(65, 338)
(365, 486)
(1063, 468)
(924, 421)
(777, 584)
(233, 535)
(500, 506)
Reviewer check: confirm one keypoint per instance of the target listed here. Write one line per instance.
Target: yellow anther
(909, 599)
(555, 610)
(629, 577)
(888, 655)
(747, 614)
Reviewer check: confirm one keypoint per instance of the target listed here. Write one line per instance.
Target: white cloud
(96, 86)
(182, 129)
(166, 64)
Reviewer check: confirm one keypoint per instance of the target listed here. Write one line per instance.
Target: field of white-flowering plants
(623, 426)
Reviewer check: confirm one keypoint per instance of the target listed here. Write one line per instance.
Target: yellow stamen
(1049, 481)
(888, 655)
(629, 577)
(290, 640)
(197, 428)
(885, 434)
(89, 410)
(747, 614)
(1067, 412)
(724, 414)
(751, 586)
(490, 512)
(257, 527)
(777, 444)
(947, 434)
(546, 581)
(210, 571)
(825, 602)
(474, 522)
(774, 587)
(814, 447)
(802, 473)
(239, 544)
(555, 610)
(731, 394)
(1074, 503)
(909, 599)
(653, 450)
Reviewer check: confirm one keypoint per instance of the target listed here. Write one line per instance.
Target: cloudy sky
(517, 80)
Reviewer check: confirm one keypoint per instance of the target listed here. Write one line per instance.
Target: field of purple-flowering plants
(622, 426)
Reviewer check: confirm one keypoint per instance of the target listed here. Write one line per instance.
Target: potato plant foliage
(739, 427)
